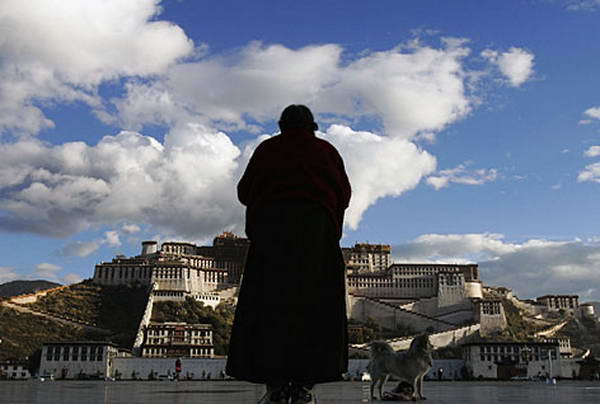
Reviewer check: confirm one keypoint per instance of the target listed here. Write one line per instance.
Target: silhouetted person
(290, 323)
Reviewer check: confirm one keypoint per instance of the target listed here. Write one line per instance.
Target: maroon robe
(290, 322)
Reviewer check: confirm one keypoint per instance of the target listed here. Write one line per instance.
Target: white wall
(139, 338)
(166, 366)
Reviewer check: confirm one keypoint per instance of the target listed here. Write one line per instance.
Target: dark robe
(290, 322)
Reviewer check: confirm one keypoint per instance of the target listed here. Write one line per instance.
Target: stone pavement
(233, 392)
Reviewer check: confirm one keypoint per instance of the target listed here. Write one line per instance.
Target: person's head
(297, 116)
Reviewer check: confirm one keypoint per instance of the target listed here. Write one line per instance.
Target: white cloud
(62, 50)
(583, 5)
(593, 151)
(112, 238)
(130, 228)
(377, 166)
(188, 184)
(593, 112)
(531, 268)
(590, 173)
(412, 89)
(415, 90)
(8, 274)
(188, 180)
(45, 270)
(461, 175)
(70, 279)
(516, 64)
(79, 248)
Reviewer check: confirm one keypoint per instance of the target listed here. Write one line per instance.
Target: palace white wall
(390, 317)
(139, 337)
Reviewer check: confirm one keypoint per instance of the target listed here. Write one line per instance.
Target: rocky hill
(15, 288)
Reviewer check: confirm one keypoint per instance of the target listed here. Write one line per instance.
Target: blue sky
(470, 130)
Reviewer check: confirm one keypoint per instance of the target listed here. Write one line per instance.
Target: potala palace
(447, 301)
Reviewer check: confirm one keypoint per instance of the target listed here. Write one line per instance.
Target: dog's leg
(382, 385)
(373, 383)
(420, 383)
(415, 394)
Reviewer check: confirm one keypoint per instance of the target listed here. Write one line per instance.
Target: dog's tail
(380, 348)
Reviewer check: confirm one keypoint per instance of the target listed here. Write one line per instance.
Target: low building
(558, 302)
(177, 340)
(14, 370)
(490, 314)
(505, 360)
(564, 343)
(77, 360)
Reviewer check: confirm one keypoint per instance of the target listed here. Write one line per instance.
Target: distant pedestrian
(290, 327)
(440, 374)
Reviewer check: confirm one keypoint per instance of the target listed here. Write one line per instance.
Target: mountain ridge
(20, 287)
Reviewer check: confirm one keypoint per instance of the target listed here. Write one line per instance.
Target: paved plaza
(232, 392)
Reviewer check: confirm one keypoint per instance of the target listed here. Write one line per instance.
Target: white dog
(409, 366)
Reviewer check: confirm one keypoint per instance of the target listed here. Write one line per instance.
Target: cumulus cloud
(112, 238)
(70, 279)
(130, 228)
(590, 173)
(462, 175)
(79, 248)
(8, 274)
(516, 65)
(50, 272)
(188, 181)
(186, 184)
(411, 89)
(583, 5)
(414, 90)
(62, 50)
(593, 112)
(593, 151)
(531, 268)
(378, 166)
(45, 270)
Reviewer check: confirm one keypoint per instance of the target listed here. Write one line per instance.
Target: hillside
(118, 309)
(22, 334)
(15, 288)
(584, 334)
(194, 312)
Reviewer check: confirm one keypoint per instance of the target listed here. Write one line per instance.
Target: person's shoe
(276, 395)
(302, 395)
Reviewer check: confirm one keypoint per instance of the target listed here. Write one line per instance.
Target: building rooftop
(81, 343)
